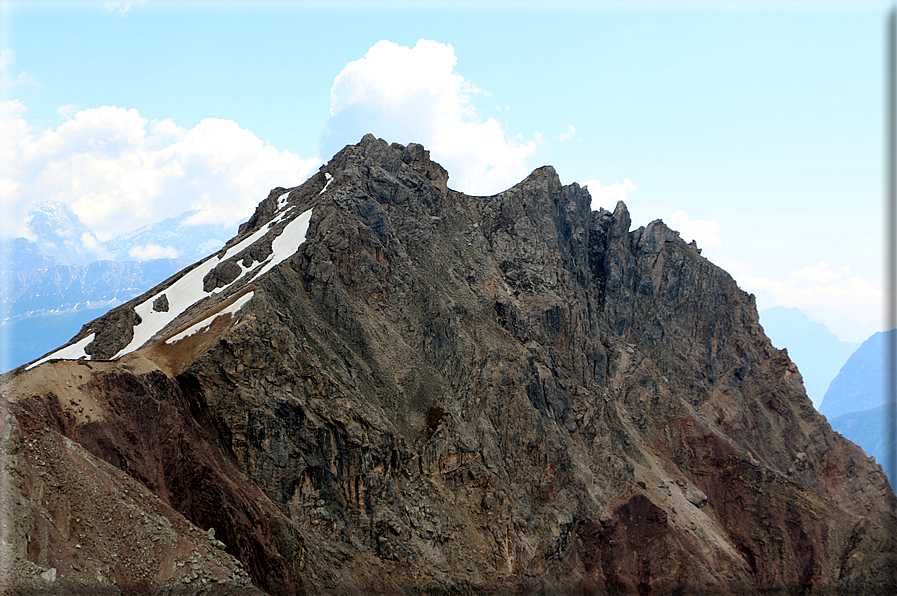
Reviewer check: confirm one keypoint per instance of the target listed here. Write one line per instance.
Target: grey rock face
(439, 393)
(160, 304)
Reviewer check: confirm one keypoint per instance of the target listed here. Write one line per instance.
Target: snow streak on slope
(287, 243)
(72, 352)
(231, 310)
(188, 290)
(282, 200)
(329, 180)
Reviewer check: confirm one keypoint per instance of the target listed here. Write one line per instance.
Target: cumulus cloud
(118, 171)
(704, 232)
(152, 251)
(410, 95)
(607, 195)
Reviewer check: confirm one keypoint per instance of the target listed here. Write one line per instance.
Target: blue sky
(755, 129)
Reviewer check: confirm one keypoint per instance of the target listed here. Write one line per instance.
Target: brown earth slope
(436, 393)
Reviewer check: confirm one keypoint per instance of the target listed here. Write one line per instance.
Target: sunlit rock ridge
(382, 385)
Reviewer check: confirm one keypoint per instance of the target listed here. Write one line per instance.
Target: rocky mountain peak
(59, 233)
(383, 385)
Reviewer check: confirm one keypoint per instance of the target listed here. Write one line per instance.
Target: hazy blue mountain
(859, 385)
(818, 352)
(855, 403)
(61, 235)
(70, 287)
(171, 237)
(56, 284)
(23, 255)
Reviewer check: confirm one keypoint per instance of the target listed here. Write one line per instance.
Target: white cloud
(704, 232)
(607, 196)
(152, 251)
(410, 95)
(90, 242)
(118, 171)
(832, 293)
(571, 133)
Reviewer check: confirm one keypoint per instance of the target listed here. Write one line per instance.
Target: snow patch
(231, 310)
(188, 290)
(329, 180)
(286, 245)
(72, 352)
(244, 244)
(254, 237)
(182, 294)
(282, 200)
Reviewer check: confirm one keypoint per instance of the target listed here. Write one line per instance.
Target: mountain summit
(382, 385)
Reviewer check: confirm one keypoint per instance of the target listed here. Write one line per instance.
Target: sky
(755, 128)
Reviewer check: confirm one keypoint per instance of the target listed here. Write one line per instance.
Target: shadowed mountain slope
(382, 385)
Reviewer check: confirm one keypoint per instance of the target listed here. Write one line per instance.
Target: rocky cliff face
(382, 385)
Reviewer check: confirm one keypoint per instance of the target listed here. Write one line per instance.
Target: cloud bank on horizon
(118, 171)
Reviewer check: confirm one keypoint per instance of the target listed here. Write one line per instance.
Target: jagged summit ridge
(430, 392)
(272, 235)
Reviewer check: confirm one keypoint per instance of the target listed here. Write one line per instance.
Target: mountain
(381, 385)
(45, 301)
(61, 234)
(20, 254)
(172, 237)
(859, 385)
(48, 298)
(855, 402)
(818, 352)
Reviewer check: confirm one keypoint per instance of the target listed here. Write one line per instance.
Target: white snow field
(72, 352)
(231, 310)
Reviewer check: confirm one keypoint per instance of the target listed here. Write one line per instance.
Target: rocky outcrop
(439, 393)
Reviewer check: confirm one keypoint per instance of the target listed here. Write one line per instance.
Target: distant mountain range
(60, 234)
(859, 385)
(173, 237)
(45, 302)
(66, 276)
